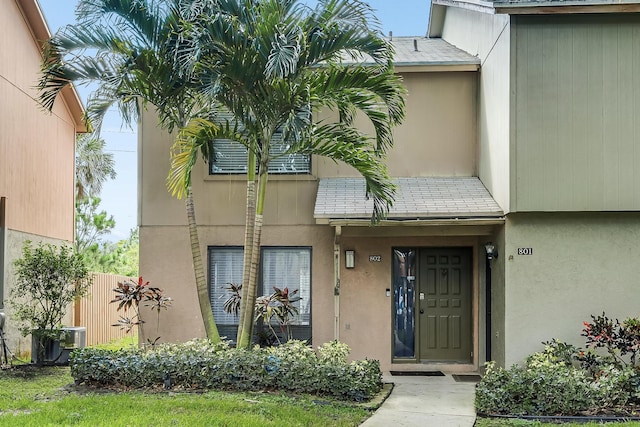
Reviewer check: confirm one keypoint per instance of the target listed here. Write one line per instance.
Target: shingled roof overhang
(421, 54)
(543, 7)
(419, 202)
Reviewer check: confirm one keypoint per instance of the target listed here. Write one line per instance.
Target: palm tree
(271, 63)
(122, 46)
(93, 165)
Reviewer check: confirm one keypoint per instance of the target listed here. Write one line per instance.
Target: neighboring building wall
(582, 264)
(36, 152)
(576, 132)
(488, 37)
(36, 148)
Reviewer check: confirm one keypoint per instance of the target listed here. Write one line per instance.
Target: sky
(119, 196)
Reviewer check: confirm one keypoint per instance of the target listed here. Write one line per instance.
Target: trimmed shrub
(199, 364)
(556, 382)
(544, 390)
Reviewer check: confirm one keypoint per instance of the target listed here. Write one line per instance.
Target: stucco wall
(438, 135)
(582, 264)
(165, 260)
(498, 290)
(366, 311)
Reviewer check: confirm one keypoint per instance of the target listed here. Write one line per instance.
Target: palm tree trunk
(198, 268)
(254, 267)
(252, 285)
(248, 245)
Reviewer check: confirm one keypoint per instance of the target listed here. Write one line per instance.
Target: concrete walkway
(426, 401)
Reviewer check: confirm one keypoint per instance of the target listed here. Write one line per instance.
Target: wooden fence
(96, 314)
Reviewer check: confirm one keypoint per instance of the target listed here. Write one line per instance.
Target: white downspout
(336, 277)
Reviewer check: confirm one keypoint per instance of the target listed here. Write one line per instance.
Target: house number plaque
(525, 251)
(375, 258)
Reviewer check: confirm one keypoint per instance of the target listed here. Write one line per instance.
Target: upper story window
(230, 157)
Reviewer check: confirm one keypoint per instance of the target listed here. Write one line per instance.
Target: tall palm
(271, 63)
(93, 165)
(122, 46)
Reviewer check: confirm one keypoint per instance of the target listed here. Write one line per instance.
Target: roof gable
(34, 18)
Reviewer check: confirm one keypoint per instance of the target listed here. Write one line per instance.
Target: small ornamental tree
(278, 306)
(48, 279)
(129, 295)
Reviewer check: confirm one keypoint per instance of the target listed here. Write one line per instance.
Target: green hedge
(198, 364)
(552, 382)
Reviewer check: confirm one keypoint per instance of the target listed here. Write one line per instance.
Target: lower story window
(288, 267)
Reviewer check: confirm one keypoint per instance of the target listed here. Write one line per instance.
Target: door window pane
(404, 280)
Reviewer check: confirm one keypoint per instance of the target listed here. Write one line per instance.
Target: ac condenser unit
(74, 337)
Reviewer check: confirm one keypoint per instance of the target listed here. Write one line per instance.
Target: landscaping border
(561, 418)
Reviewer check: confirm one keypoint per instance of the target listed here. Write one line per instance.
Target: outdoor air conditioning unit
(57, 351)
(74, 337)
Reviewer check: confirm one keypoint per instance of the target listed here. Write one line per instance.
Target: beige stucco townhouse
(36, 149)
(520, 132)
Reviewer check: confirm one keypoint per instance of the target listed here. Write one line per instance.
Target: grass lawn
(32, 396)
(490, 422)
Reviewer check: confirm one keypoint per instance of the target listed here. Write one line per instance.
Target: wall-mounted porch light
(350, 258)
(492, 251)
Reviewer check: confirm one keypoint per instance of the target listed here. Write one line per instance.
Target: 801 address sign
(525, 251)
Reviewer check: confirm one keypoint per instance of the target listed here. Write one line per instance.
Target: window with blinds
(230, 157)
(289, 268)
(225, 266)
(281, 267)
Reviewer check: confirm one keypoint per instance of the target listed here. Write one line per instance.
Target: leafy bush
(334, 351)
(563, 379)
(618, 339)
(546, 390)
(48, 279)
(199, 364)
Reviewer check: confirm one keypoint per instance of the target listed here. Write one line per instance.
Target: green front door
(444, 304)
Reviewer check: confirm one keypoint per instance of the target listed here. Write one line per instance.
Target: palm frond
(144, 22)
(194, 139)
(345, 143)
